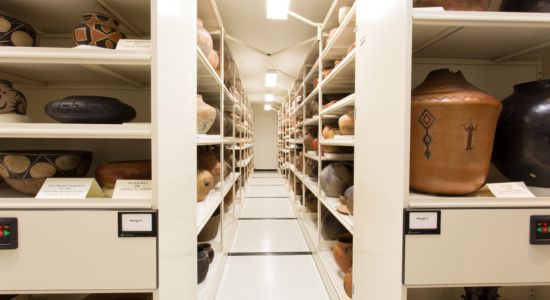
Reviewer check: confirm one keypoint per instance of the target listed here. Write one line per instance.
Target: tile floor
(269, 258)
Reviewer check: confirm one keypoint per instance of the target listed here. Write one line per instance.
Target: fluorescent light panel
(269, 97)
(267, 107)
(277, 9)
(271, 78)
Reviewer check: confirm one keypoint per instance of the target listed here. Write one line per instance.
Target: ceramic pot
(343, 251)
(335, 179)
(476, 5)
(331, 228)
(208, 248)
(208, 161)
(205, 183)
(203, 263)
(348, 282)
(214, 59)
(328, 133)
(206, 115)
(27, 170)
(228, 200)
(300, 162)
(525, 5)
(308, 140)
(98, 30)
(315, 145)
(90, 110)
(522, 151)
(348, 199)
(298, 188)
(16, 33)
(452, 130)
(228, 125)
(310, 202)
(311, 168)
(204, 39)
(347, 123)
(315, 82)
(13, 104)
(210, 230)
(314, 108)
(299, 99)
(342, 13)
(108, 173)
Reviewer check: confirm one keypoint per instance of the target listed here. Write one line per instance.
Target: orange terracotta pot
(343, 251)
(348, 282)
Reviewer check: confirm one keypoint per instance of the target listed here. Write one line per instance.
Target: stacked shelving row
(225, 150)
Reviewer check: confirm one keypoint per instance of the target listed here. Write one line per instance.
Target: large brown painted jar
(452, 130)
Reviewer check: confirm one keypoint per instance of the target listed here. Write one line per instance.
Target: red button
(1, 233)
(545, 229)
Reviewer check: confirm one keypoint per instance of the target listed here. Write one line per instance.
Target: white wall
(265, 138)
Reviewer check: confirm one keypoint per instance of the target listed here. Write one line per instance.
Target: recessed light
(277, 9)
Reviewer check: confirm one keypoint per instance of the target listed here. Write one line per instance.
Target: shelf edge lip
(76, 204)
(492, 18)
(416, 202)
(48, 55)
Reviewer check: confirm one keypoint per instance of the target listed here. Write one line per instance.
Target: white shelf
(311, 185)
(331, 204)
(206, 208)
(497, 36)
(311, 156)
(77, 56)
(90, 203)
(331, 156)
(340, 107)
(343, 141)
(245, 162)
(343, 37)
(205, 139)
(76, 131)
(334, 272)
(311, 121)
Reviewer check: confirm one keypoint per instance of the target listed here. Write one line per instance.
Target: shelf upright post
(319, 130)
(173, 92)
(222, 134)
(383, 85)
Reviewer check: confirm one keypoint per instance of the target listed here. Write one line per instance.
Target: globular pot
(315, 145)
(108, 173)
(90, 110)
(208, 248)
(205, 183)
(343, 251)
(227, 126)
(204, 39)
(27, 170)
(311, 168)
(452, 131)
(331, 228)
(300, 162)
(348, 199)
(13, 104)
(348, 282)
(347, 123)
(314, 108)
(308, 140)
(206, 115)
(475, 5)
(335, 179)
(525, 5)
(203, 263)
(98, 30)
(214, 59)
(228, 200)
(310, 202)
(210, 230)
(16, 33)
(328, 133)
(522, 148)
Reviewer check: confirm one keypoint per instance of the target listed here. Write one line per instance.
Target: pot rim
(536, 84)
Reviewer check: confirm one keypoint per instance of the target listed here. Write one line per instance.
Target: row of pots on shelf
(208, 119)
(71, 109)
(482, 5)
(26, 170)
(209, 170)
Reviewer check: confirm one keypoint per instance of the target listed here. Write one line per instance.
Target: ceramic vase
(328, 133)
(348, 199)
(208, 248)
(348, 282)
(208, 161)
(314, 108)
(311, 168)
(335, 179)
(475, 5)
(206, 115)
(308, 140)
(204, 39)
(16, 33)
(13, 104)
(343, 251)
(214, 59)
(522, 148)
(26, 170)
(98, 30)
(347, 123)
(210, 230)
(452, 130)
(203, 263)
(205, 183)
(90, 110)
(108, 173)
(310, 202)
(525, 5)
(331, 228)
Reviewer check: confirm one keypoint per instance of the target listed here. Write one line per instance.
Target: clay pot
(475, 5)
(206, 115)
(522, 151)
(452, 130)
(342, 13)
(204, 40)
(90, 110)
(205, 183)
(311, 168)
(208, 248)
(315, 82)
(203, 263)
(314, 108)
(214, 59)
(98, 30)
(310, 202)
(315, 145)
(208, 161)
(525, 5)
(348, 199)
(228, 125)
(308, 140)
(299, 99)
(343, 251)
(348, 282)
(228, 200)
(16, 33)
(335, 179)
(347, 123)
(300, 162)
(226, 170)
(13, 104)
(328, 133)
(27, 170)
(108, 173)
(210, 230)
(331, 228)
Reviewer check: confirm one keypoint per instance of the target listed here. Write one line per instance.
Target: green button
(6, 233)
(539, 229)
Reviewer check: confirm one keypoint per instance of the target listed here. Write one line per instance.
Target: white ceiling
(245, 20)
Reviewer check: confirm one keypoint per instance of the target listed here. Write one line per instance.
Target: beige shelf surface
(331, 204)
(343, 141)
(76, 131)
(340, 107)
(90, 203)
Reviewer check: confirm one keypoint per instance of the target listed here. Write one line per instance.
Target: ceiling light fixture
(271, 78)
(277, 9)
(267, 107)
(269, 97)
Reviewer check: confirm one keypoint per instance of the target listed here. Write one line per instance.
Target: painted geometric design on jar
(16, 33)
(470, 130)
(11, 100)
(98, 30)
(426, 119)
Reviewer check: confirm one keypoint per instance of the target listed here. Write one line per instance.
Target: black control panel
(8, 233)
(540, 230)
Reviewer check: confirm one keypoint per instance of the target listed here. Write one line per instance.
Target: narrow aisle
(269, 258)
